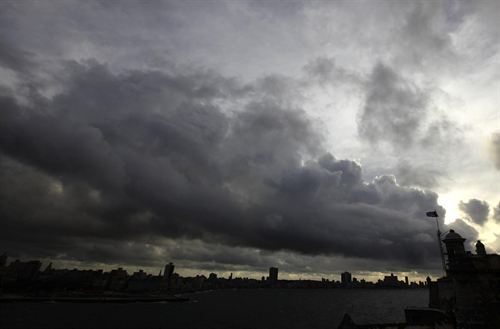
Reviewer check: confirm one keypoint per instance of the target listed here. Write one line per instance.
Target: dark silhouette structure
(480, 249)
(454, 246)
(168, 274)
(346, 278)
(467, 297)
(26, 279)
(471, 288)
(273, 275)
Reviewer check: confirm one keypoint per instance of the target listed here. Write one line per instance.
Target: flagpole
(435, 215)
(440, 246)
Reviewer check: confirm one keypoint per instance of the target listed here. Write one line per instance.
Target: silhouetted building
(391, 281)
(141, 282)
(117, 279)
(454, 245)
(141, 275)
(345, 278)
(24, 271)
(273, 274)
(471, 287)
(169, 270)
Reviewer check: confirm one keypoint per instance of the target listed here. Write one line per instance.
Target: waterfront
(255, 308)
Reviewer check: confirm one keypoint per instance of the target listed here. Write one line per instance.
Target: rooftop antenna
(436, 216)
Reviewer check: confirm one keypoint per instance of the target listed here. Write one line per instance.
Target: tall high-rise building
(169, 270)
(345, 278)
(273, 274)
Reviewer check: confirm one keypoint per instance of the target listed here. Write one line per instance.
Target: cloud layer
(477, 210)
(148, 154)
(244, 135)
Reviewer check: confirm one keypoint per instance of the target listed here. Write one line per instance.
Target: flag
(432, 214)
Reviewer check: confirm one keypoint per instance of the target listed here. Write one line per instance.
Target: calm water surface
(224, 309)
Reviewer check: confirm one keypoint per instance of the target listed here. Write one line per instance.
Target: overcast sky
(234, 136)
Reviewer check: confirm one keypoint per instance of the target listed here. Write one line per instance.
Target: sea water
(240, 309)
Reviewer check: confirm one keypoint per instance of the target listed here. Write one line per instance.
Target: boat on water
(466, 297)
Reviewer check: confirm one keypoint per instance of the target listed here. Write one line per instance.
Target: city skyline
(24, 271)
(335, 276)
(242, 135)
(467, 293)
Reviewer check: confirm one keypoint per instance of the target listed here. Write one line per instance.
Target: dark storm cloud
(394, 109)
(398, 112)
(412, 175)
(424, 39)
(14, 58)
(325, 70)
(79, 150)
(197, 254)
(399, 117)
(125, 159)
(476, 210)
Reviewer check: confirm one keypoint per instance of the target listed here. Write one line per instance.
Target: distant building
(118, 273)
(117, 279)
(24, 271)
(140, 275)
(346, 278)
(273, 274)
(390, 281)
(406, 281)
(169, 270)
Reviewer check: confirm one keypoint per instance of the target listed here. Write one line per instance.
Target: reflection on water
(224, 309)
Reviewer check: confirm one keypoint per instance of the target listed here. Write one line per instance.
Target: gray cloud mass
(236, 135)
(394, 109)
(496, 212)
(476, 210)
(149, 155)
